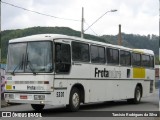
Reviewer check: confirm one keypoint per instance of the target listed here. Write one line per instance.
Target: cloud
(136, 16)
(11, 17)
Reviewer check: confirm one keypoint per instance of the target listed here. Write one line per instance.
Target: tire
(137, 96)
(37, 107)
(74, 100)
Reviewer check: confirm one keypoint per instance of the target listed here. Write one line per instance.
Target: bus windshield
(30, 57)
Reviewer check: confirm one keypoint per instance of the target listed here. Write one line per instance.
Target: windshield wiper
(20, 65)
(30, 65)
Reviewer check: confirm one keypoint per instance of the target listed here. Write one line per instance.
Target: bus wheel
(74, 100)
(37, 107)
(137, 96)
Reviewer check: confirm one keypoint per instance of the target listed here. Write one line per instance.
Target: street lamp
(100, 18)
(113, 10)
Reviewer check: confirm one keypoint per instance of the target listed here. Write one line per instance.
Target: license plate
(23, 97)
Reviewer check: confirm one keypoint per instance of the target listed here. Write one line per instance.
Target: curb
(4, 103)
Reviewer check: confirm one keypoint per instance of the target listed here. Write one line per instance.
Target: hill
(10, 34)
(129, 40)
(136, 41)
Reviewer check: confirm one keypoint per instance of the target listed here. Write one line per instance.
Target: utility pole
(82, 23)
(119, 36)
(0, 65)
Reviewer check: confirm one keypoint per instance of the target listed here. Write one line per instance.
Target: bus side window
(151, 61)
(62, 57)
(136, 59)
(97, 54)
(145, 61)
(112, 56)
(80, 52)
(125, 58)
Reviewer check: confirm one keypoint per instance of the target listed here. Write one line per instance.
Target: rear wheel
(137, 96)
(74, 101)
(37, 107)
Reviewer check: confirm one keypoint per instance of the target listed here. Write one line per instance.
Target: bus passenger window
(145, 61)
(152, 61)
(125, 58)
(112, 56)
(97, 54)
(136, 59)
(80, 52)
(62, 57)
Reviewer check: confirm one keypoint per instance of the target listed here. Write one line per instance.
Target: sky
(135, 16)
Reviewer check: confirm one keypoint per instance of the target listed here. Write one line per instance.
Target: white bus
(63, 70)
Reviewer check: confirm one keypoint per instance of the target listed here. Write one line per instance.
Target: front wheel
(37, 107)
(74, 101)
(137, 96)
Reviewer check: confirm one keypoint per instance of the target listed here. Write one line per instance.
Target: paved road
(148, 104)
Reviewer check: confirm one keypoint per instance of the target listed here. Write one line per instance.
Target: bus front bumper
(32, 98)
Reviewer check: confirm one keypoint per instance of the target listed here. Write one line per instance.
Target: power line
(91, 28)
(38, 12)
(100, 18)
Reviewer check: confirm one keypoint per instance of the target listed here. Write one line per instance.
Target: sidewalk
(4, 104)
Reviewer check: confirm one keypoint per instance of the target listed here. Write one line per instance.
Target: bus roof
(43, 37)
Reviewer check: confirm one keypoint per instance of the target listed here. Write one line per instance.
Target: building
(157, 77)
(157, 72)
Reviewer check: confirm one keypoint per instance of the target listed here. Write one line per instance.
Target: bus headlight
(9, 96)
(39, 97)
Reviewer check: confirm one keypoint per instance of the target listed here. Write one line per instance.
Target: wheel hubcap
(138, 95)
(75, 99)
